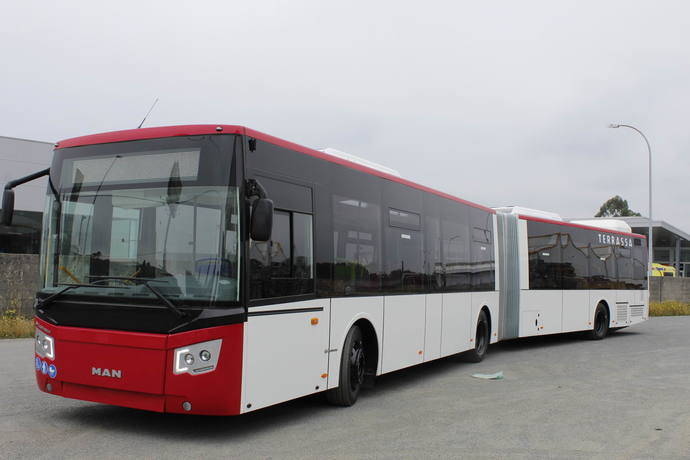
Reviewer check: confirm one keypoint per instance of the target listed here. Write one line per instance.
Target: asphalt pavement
(627, 396)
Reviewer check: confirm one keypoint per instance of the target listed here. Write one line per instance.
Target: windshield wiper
(165, 300)
(145, 281)
(42, 303)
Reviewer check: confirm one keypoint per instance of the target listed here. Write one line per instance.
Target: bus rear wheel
(352, 370)
(481, 339)
(601, 323)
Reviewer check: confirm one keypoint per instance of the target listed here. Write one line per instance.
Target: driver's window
(283, 266)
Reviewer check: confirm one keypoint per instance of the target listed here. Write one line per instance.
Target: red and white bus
(218, 270)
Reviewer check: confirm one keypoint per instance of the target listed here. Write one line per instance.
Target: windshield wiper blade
(168, 303)
(118, 278)
(42, 303)
(145, 281)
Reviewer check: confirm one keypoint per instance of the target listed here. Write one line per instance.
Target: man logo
(114, 373)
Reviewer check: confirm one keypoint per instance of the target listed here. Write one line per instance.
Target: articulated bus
(218, 270)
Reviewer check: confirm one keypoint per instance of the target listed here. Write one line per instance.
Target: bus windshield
(118, 225)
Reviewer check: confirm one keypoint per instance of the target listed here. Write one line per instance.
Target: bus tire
(352, 370)
(601, 323)
(481, 339)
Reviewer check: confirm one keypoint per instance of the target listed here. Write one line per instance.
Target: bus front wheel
(352, 370)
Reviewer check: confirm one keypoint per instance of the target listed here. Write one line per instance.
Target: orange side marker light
(323, 376)
(314, 321)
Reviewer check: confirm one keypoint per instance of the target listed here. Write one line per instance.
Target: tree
(616, 207)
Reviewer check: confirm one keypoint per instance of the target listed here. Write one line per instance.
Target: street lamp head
(614, 125)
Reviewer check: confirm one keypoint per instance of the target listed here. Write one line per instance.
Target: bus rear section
(563, 276)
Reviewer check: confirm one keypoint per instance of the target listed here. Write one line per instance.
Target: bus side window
(356, 245)
(544, 256)
(455, 247)
(403, 269)
(283, 266)
(482, 250)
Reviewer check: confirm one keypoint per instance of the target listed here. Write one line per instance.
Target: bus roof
(195, 130)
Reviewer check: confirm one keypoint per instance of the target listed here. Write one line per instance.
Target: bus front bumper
(138, 370)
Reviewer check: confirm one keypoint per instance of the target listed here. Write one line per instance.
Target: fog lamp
(189, 359)
(205, 355)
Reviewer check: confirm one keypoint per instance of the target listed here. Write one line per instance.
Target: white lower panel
(621, 311)
(639, 306)
(541, 312)
(345, 311)
(283, 355)
(403, 331)
(457, 323)
(432, 336)
(576, 310)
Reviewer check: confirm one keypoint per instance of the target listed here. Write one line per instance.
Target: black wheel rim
(357, 365)
(481, 338)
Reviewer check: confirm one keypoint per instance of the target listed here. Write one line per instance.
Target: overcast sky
(502, 103)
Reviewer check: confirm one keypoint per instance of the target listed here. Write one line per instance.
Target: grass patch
(14, 326)
(669, 308)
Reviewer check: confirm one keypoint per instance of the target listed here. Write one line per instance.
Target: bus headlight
(45, 345)
(208, 352)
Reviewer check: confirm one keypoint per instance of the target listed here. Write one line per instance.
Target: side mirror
(261, 225)
(7, 207)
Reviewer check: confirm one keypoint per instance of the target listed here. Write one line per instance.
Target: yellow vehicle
(663, 270)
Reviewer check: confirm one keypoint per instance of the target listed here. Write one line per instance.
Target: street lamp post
(649, 240)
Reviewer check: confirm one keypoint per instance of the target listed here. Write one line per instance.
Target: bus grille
(636, 310)
(622, 313)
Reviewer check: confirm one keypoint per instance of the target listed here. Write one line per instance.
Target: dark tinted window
(404, 219)
(481, 235)
(580, 258)
(575, 258)
(432, 245)
(356, 245)
(403, 263)
(302, 250)
(544, 255)
(482, 250)
(283, 266)
(639, 262)
(286, 195)
(602, 266)
(455, 246)
(624, 267)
